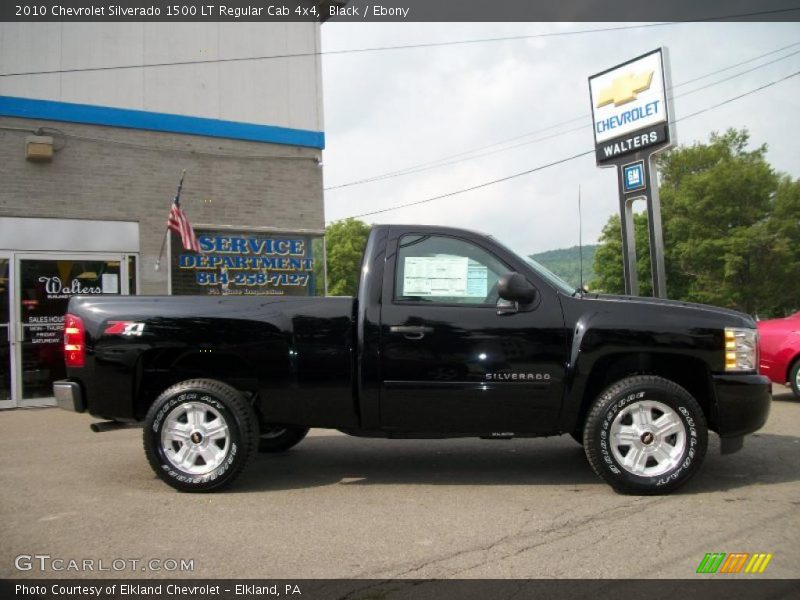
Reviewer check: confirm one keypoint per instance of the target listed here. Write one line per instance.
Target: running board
(104, 426)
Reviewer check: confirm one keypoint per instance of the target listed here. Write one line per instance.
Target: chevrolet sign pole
(631, 123)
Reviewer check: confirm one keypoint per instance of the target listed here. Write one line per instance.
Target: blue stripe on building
(50, 110)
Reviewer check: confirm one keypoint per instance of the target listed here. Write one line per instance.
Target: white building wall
(283, 92)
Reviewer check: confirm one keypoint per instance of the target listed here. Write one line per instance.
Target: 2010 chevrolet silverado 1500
(451, 335)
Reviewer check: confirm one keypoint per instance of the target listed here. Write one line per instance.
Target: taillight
(74, 341)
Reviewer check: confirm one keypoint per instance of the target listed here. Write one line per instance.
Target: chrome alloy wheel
(195, 438)
(648, 438)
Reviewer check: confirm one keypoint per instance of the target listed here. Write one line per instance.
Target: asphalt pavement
(342, 507)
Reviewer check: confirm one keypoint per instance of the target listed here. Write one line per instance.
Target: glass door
(46, 282)
(7, 370)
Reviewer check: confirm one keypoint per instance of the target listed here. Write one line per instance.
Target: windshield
(540, 269)
(549, 275)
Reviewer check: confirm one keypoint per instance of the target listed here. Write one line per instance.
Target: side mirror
(514, 287)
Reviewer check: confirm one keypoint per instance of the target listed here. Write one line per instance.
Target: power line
(424, 166)
(567, 159)
(729, 100)
(479, 186)
(444, 161)
(733, 66)
(734, 76)
(460, 160)
(553, 34)
(201, 153)
(581, 127)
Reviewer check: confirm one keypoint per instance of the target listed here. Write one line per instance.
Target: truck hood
(732, 318)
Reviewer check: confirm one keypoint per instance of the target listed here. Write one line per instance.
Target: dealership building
(98, 121)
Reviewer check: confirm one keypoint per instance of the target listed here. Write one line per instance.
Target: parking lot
(340, 507)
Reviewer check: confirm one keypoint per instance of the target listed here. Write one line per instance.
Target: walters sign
(629, 107)
(240, 262)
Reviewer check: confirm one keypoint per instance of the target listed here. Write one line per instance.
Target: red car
(779, 347)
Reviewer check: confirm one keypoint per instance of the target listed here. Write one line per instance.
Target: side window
(445, 270)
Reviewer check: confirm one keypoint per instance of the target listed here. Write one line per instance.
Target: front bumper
(743, 403)
(69, 395)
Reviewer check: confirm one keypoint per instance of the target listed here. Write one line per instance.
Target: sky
(390, 110)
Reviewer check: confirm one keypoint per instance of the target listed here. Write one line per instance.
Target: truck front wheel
(199, 435)
(645, 435)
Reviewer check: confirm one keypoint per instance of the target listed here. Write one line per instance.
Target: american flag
(179, 223)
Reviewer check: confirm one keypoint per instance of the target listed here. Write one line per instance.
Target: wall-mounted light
(39, 148)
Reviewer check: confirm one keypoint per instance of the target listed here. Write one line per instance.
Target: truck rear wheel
(645, 435)
(280, 438)
(199, 435)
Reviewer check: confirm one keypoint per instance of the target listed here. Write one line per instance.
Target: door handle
(412, 332)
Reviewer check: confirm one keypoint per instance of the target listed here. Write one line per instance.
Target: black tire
(204, 401)
(661, 463)
(794, 378)
(280, 437)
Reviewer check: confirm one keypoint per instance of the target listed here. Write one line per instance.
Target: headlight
(741, 349)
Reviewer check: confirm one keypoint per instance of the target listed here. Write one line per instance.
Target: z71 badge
(124, 328)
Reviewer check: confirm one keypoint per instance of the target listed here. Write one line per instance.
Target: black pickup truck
(451, 335)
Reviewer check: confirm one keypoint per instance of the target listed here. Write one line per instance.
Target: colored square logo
(633, 177)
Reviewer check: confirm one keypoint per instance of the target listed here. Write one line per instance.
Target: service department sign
(629, 107)
(246, 262)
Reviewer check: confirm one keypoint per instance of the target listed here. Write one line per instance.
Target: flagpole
(161, 252)
(166, 229)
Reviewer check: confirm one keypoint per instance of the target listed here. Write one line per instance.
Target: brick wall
(126, 174)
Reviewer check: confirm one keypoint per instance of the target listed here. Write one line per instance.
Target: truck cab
(451, 355)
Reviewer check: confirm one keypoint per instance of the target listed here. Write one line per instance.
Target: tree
(567, 262)
(731, 230)
(609, 274)
(344, 242)
(784, 228)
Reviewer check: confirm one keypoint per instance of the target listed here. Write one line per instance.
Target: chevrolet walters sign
(629, 107)
(625, 88)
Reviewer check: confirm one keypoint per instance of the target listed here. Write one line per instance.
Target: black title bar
(399, 10)
(708, 587)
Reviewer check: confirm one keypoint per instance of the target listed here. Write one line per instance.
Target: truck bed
(294, 352)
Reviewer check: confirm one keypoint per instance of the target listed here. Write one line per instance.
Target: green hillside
(565, 262)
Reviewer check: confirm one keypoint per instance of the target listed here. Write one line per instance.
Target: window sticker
(444, 276)
(477, 280)
(435, 276)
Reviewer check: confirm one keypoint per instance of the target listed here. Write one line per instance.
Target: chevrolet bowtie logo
(624, 88)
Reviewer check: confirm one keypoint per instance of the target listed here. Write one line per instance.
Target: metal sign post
(631, 125)
(636, 176)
